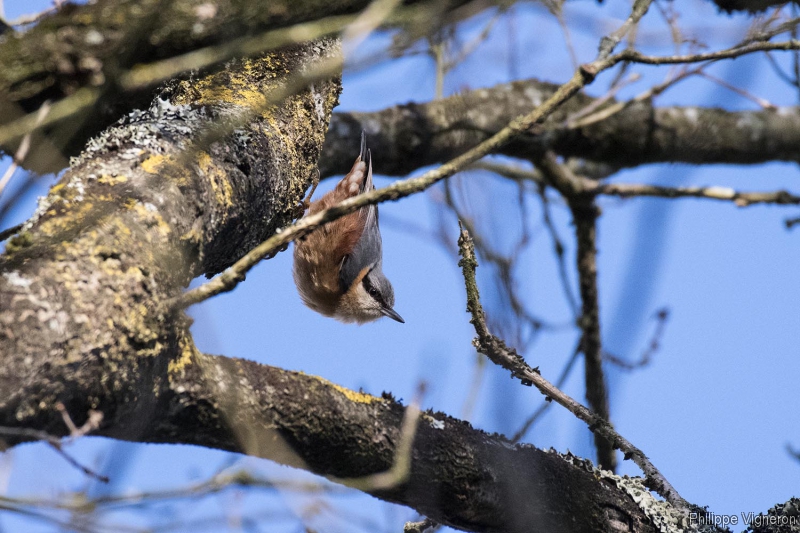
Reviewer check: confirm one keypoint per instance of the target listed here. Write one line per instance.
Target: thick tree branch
(125, 229)
(459, 476)
(410, 136)
(751, 6)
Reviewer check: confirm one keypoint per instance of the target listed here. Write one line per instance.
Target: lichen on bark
(143, 210)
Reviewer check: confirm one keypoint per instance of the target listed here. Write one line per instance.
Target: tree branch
(413, 135)
(82, 53)
(496, 350)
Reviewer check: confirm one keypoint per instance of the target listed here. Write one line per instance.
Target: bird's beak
(391, 313)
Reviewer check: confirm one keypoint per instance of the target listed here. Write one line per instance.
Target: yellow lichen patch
(353, 396)
(20, 241)
(217, 178)
(215, 94)
(193, 235)
(55, 224)
(152, 163)
(111, 180)
(247, 88)
(152, 217)
(184, 359)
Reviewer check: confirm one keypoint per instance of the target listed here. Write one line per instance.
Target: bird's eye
(371, 290)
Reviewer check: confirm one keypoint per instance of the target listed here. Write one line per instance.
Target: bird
(338, 268)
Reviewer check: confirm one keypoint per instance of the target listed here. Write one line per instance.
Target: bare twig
(558, 248)
(729, 53)
(630, 190)
(607, 44)
(741, 199)
(573, 120)
(765, 104)
(92, 423)
(584, 215)
(794, 452)
(55, 443)
(496, 350)
(217, 483)
(652, 347)
(791, 222)
(81, 99)
(24, 146)
(562, 378)
(8, 232)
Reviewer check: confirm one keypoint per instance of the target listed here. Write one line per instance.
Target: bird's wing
(367, 248)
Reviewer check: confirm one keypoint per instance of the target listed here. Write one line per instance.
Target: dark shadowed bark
(751, 6)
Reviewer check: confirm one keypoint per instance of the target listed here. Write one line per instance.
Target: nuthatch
(338, 267)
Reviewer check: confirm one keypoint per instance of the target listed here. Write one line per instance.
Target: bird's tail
(365, 155)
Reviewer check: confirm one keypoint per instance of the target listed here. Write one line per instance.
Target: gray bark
(413, 135)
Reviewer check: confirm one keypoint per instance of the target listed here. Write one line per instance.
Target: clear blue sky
(710, 409)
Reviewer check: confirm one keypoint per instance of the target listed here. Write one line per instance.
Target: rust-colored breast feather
(318, 257)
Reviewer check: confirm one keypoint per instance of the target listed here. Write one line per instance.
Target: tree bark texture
(413, 135)
(135, 218)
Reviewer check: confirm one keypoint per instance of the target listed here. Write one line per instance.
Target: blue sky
(709, 410)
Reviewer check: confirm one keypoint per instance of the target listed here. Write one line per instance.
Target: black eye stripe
(371, 290)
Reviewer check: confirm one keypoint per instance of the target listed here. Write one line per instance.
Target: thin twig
(632, 190)
(791, 222)
(765, 104)
(92, 423)
(792, 451)
(6, 233)
(741, 199)
(24, 146)
(652, 347)
(81, 99)
(215, 484)
(562, 378)
(608, 43)
(729, 53)
(55, 443)
(616, 107)
(496, 350)
(558, 248)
